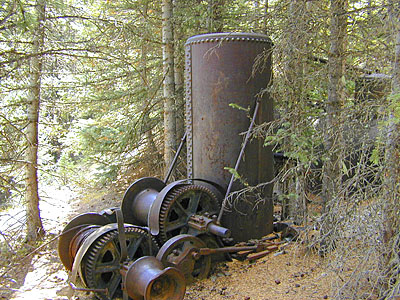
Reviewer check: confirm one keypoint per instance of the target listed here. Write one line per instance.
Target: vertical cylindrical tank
(225, 74)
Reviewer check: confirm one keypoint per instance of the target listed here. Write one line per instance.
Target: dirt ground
(289, 273)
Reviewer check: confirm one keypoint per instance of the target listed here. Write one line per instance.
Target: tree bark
(391, 233)
(33, 223)
(265, 18)
(179, 63)
(256, 14)
(392, 152)
(169, 82)
(333, 140)
(294, 73)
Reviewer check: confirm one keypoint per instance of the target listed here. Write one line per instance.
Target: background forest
(92, 97)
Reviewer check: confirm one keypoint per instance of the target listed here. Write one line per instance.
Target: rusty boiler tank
(226, 73)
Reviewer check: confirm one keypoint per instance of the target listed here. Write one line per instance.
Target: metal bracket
(121, 235)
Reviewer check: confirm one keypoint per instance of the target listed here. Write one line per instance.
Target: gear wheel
(180, 204)
(178, 252)
(101, 265)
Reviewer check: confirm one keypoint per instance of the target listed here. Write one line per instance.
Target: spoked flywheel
(180, 252)
(180, 204)
(101, 265)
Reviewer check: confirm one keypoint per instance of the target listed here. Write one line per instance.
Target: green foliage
(103, 72)
(101, 100)
(236, 175)
(237, 106)
(394, 107)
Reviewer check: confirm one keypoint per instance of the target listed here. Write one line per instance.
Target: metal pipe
(172, 165)
(75, 288)
(221, 212)
(218, 230)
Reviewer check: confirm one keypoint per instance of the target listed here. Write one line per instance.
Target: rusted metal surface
(254, 256)
(71, 229)
(109, 213)
(233, 249)
(89, 218)
(102, 262)
(147, 279)
(180, 205)
(85, 245)
(179, 252)
(138, 199)
(155, 210)
(239, 159)
(64, 243)
(189, 109)
(97, 255)
(204, 224)
(77, 241)
(219, 72)
(75, 288)
(190, 254)
(121, 236)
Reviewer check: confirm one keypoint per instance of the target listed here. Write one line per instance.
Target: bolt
(196, 255)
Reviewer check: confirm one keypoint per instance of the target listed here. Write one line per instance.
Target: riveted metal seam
(189, 110)
(228, 39)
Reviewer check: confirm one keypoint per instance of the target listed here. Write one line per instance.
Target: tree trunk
(256, 14)
(391, 233)
(392, 152)
(265, 19)
(333, 139)
(179, 64)
(333, 133)
(169, 83)
(34, 224)
(294, 73)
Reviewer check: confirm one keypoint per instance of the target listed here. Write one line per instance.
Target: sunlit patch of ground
(42, 276)
(37, 276)
(44, 280)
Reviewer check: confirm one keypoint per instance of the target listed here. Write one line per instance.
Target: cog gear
(101, 264)
(182, 203)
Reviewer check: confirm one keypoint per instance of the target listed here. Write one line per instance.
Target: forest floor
(291, 273)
